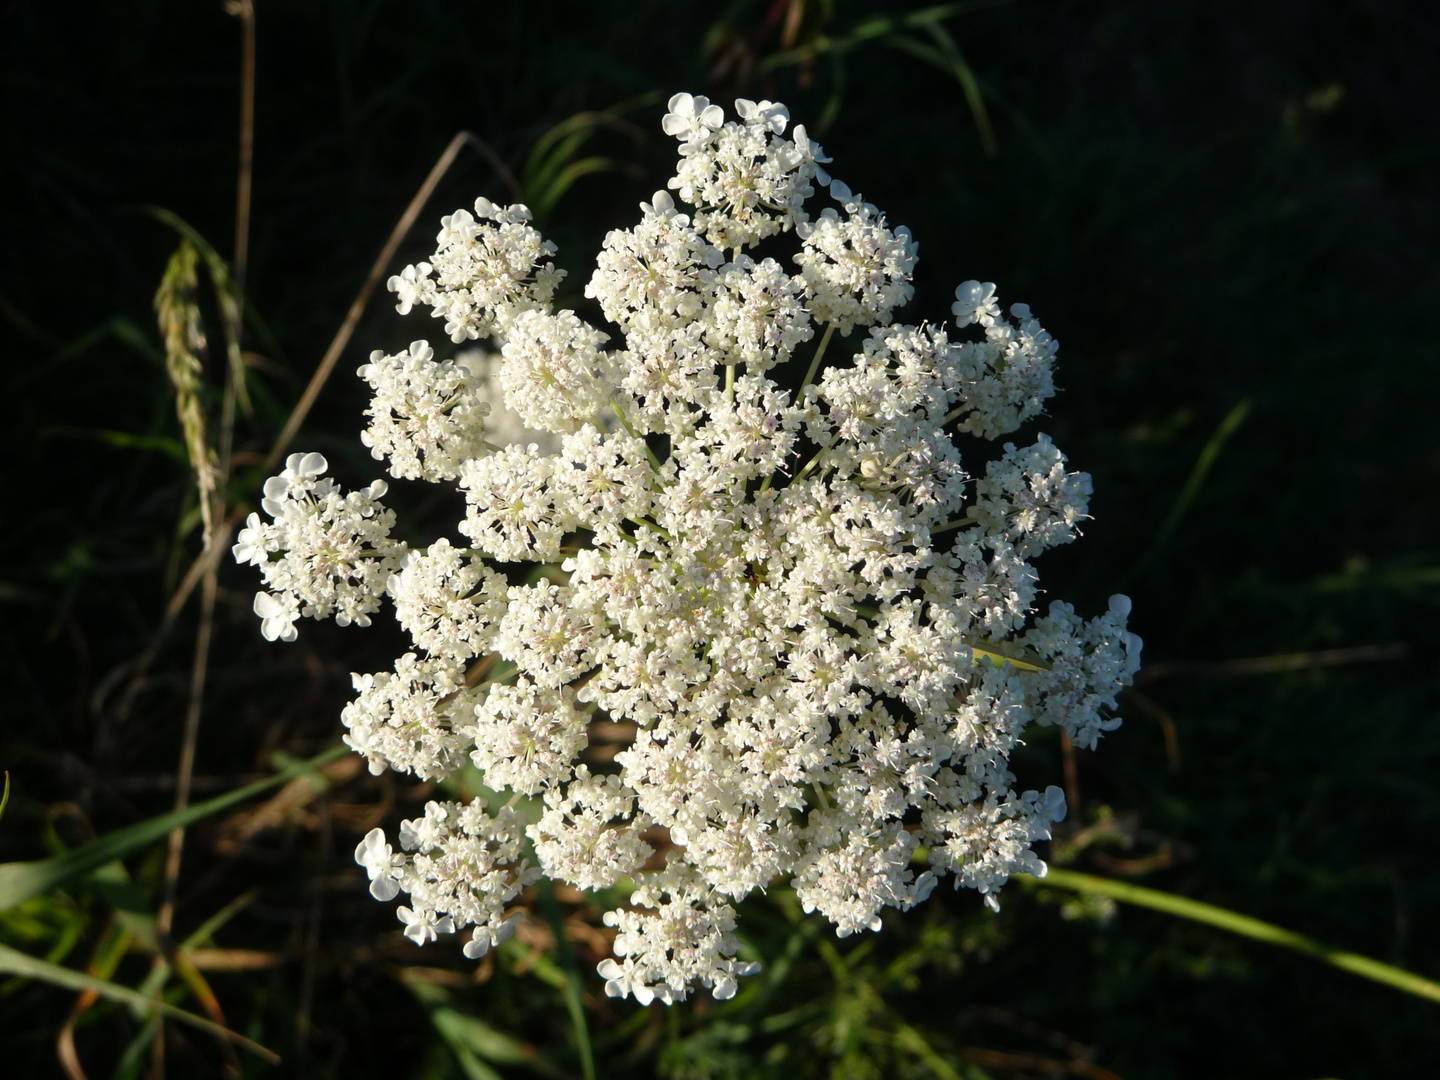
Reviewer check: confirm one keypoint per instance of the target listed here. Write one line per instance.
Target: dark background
(1207, 203)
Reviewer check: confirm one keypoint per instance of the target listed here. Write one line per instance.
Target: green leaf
(574, 989)
(21, 881)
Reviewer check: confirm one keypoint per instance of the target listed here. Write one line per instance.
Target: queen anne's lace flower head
(811, 626)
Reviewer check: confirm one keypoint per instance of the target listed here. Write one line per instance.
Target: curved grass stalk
(14, 962)
(1244, 925)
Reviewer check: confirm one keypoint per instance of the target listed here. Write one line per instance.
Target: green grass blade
(132, 1061)
(1244, 925)
(556, 187)
(969, 85)
(1196, 480)
(14, 962)
(206, 930)
(574, 988)
(911, 1041)
(123, 440)
(870, 29)
(21, 881)
(475, 1042)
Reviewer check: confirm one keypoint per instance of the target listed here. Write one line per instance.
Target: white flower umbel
(332, 553)
(819, 624)
(426, 417)
(487, 268)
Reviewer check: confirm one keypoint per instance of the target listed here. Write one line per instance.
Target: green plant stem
(1244, 925)
(809, 375)
(815, 363)
(630, 430)
(810, 465)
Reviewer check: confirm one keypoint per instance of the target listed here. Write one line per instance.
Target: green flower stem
(810, 465)
(630, 430)
(986, 650)
(1244, 925)
(646, 523)
(815, 363)
(957, 523)
(809, 375)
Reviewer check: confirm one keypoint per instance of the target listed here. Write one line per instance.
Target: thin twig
(1072, 777)
(352, 317)
(65, 1043)
(1151, 707)
(1272, 665)
(342, 337)
(205, 562)
(304, 1025)
(166, 915)
(244, 10)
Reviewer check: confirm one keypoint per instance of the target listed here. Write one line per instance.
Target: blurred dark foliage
(1208, 203)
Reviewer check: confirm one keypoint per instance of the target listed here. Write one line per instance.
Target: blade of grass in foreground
(1244, 925)
(573, 988)
(1209, 454)
(21, 881)
(14, 962)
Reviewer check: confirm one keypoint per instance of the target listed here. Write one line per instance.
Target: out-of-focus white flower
(818, 623)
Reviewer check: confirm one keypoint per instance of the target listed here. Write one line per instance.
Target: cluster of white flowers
(819, 625)
(323, 554)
